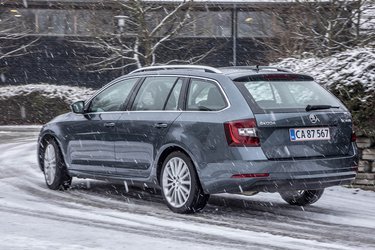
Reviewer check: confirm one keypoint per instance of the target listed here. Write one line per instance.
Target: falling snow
(100, 215)
(68, 93)
(355, 66)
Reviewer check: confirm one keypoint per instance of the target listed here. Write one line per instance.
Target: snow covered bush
(37, 103)
(350, 75)
(67, 93)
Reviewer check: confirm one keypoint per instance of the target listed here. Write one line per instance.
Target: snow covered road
(100, 215)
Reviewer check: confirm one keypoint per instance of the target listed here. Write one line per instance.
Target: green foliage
(361, 103)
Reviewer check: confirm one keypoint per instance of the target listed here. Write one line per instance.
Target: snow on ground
(342, 69)
(100, 215)
(68, 93)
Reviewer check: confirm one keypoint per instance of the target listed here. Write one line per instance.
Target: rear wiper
(316, 107)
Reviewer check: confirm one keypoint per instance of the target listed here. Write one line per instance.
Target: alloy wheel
(50, 164)
(176, 182)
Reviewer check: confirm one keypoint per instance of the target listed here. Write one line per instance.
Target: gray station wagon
(193, 131)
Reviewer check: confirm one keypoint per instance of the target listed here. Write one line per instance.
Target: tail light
(354, 137)
(259, 175)
(242, 133)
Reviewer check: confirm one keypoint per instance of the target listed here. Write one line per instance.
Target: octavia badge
(313, 118)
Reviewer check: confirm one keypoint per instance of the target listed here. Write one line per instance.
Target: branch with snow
(144, 35)
(322, 28)
(14, 51)
(69, 94)
(348, 68)
(14, 41)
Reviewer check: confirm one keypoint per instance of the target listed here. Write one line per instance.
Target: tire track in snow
(234, 219)
(226, 222)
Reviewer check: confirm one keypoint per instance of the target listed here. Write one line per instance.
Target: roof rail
(258, 68)
(166, 67)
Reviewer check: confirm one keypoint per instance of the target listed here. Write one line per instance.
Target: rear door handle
(160, 125)
(109, 124)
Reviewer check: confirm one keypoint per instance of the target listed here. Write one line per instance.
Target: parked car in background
(193, 131)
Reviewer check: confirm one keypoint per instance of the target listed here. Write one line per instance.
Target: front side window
(204, 95)
(154, 93)
(112, 98)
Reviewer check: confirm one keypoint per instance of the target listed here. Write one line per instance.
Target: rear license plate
(309, 134)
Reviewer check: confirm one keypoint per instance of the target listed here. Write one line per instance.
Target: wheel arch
(167, 150)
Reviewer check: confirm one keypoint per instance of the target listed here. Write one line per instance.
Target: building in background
(50, 37)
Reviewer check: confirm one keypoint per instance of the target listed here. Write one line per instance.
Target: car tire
(54, 168)
(302, 197)
(180, 185)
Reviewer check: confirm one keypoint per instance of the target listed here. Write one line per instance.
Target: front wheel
(54, 168)
(180, 185)
(302, 197)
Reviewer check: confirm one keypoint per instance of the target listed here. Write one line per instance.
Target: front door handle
(109, 124)
(160, 125)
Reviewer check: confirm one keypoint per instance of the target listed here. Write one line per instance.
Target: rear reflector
(259, 175)
(354, 137)
(242, 133)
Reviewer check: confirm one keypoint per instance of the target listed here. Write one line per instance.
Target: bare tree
(338, 24)
(147, 28)
(321, 28)
(364, 22)
(15, 39)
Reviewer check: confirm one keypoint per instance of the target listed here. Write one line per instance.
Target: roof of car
(233, 72)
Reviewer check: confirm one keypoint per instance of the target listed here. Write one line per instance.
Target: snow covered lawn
(100, 215)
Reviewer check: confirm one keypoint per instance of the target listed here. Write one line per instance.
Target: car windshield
(286, 95)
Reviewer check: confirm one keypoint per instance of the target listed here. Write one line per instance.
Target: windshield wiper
(316, 107)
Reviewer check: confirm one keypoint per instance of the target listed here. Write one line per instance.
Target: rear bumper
(283, 175)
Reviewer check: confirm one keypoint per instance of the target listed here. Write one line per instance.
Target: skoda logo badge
(313, 118)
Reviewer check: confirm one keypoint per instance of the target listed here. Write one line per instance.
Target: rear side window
(284, 96)
(154, 93)
(205, 95)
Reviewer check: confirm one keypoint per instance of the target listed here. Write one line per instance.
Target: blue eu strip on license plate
(292, 134)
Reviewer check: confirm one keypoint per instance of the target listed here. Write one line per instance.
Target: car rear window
(284, 95)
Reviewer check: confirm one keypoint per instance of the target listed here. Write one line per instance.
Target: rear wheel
(302, 197)
(54, 168)
(181, 188)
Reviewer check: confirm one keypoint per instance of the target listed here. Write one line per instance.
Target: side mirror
(78, 107)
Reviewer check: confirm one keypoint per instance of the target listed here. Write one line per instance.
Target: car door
(143, 127)
(91, 143)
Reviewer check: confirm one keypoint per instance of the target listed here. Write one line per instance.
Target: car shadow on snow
(218, 204)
